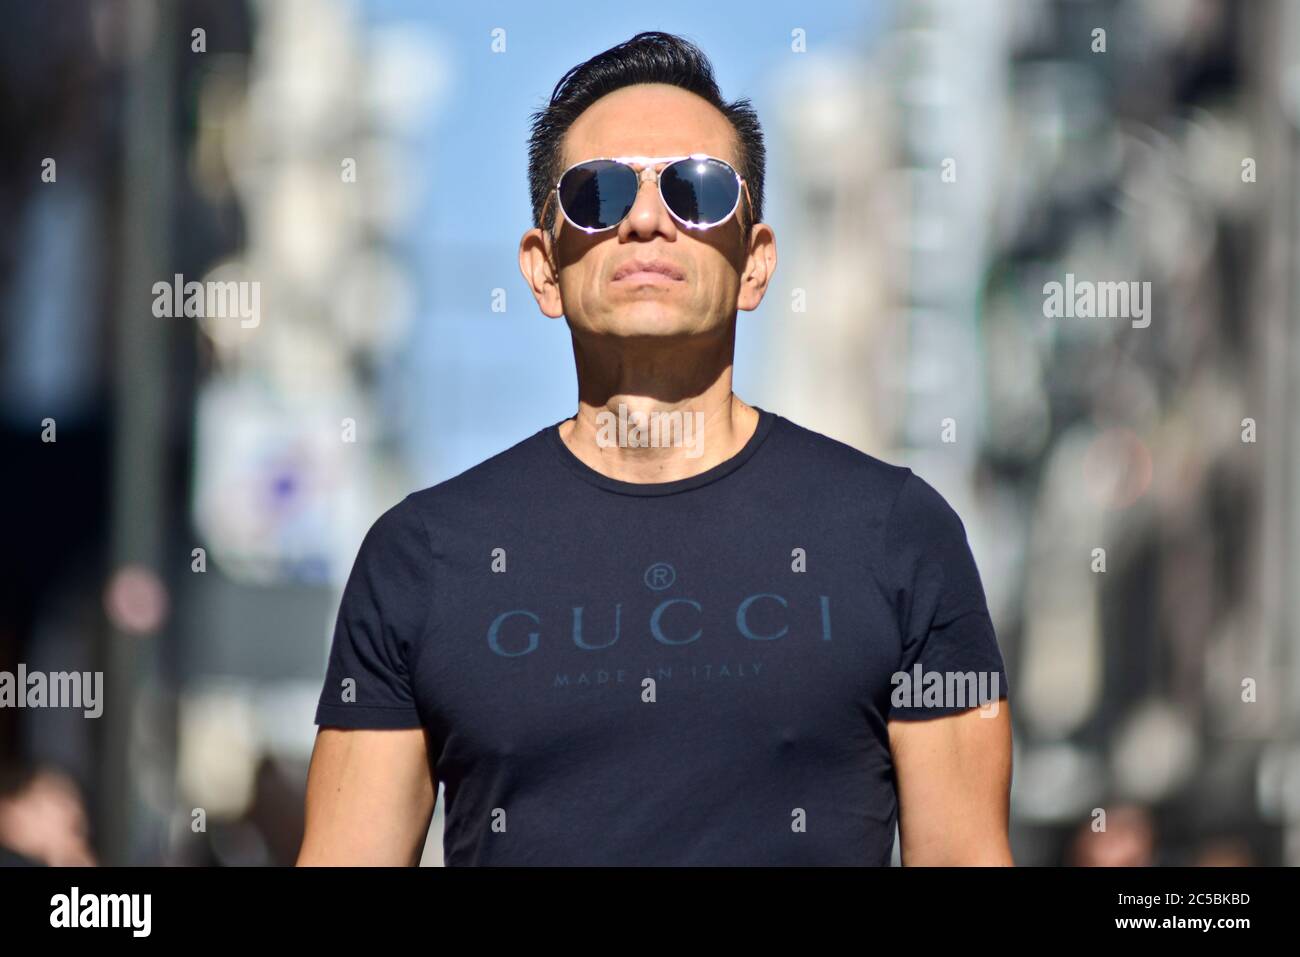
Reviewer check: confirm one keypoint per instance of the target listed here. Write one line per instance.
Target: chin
(650, 320)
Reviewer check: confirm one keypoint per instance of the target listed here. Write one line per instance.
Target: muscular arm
(954, 783)
(370, 797)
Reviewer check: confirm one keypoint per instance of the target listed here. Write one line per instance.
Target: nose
(648, 216)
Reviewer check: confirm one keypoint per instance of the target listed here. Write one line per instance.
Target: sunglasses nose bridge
(646, 174)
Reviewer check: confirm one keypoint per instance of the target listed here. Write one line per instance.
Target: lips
(660, 267)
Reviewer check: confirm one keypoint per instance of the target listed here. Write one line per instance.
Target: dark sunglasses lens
(598, 194)
(702, 192)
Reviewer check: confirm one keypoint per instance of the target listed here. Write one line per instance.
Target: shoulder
(901, 503)
(404, 529)
(837, 468)
(922, 514)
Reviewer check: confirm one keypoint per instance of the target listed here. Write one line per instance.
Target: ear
(540, 268)
(760, 264)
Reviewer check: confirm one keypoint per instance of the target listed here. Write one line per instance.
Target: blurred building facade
(1114, 142)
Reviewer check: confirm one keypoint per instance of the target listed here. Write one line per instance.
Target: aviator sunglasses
(700, 191)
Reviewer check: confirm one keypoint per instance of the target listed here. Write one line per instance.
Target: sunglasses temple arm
(541, 219)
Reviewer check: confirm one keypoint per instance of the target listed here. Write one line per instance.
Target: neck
(656, 412)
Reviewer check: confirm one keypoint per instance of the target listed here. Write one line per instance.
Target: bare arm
(370, 797)
(954, 784)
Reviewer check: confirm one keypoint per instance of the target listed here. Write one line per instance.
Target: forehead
(649, 119)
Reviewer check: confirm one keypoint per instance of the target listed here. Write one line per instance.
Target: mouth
(648, 271)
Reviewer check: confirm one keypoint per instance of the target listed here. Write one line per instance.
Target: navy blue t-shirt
(696, 672)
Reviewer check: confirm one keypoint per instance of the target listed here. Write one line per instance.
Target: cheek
(577, 287)
(719, 285)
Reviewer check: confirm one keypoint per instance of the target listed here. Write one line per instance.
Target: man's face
(650, 120)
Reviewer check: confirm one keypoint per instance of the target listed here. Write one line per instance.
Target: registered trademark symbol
(659, 576)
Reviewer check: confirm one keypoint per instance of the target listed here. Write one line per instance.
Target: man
(612, 650)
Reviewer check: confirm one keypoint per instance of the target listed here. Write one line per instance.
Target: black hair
(650, 57)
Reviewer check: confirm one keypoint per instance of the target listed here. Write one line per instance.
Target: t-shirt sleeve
(943, 614)
(381, 619)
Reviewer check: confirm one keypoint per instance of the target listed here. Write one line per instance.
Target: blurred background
(184, 496)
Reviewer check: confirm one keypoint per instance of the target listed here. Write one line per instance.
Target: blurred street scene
(184, 495)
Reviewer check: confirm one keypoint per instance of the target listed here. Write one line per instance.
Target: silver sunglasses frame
(648, 164)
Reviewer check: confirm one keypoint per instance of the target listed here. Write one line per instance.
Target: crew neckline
(724, 468)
